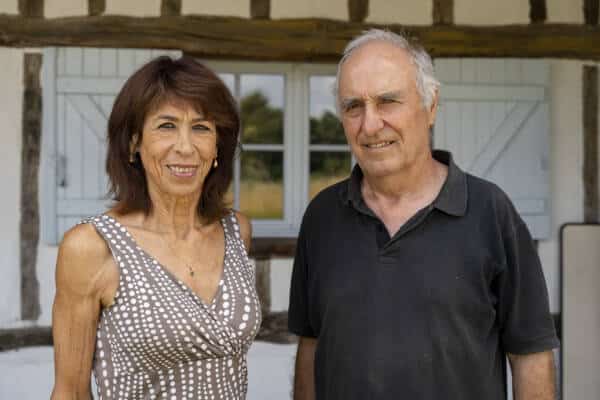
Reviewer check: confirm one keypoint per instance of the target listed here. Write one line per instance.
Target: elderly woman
(157, 295)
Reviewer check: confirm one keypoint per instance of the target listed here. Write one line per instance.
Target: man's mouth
(379, 145)
(182, 170)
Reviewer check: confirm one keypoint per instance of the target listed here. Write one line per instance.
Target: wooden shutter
(493, 116)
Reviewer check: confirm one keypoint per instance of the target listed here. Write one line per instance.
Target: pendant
(191, 271)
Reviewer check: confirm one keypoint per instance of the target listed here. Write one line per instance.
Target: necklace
(188, 265)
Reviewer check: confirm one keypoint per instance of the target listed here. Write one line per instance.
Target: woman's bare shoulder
(82, 258)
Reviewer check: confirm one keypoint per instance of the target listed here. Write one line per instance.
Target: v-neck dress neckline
(173, 277)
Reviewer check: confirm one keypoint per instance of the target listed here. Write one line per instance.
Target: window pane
(327, 168)
(325, 128)
(261, 185)
(261, 106)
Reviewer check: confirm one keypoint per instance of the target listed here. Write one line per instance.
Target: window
(293, 145)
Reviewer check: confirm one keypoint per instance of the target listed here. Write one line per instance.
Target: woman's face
(177, 150)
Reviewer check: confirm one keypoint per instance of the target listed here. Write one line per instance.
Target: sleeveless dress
(159, 340)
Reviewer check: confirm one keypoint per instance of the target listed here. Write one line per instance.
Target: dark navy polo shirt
(429, 313)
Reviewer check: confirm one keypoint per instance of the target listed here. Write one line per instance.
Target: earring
(131, 158)
(215, 163)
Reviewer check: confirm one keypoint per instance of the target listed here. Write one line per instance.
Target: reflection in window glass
(325, 128)
(261, 184)
(261, 105)
(327, 168)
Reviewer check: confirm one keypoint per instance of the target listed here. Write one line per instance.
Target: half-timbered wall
(10, 164)
(565, 110)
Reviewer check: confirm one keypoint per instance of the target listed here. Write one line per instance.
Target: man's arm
(533, 376)
(304, 380)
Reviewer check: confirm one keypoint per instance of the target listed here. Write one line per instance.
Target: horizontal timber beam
(293, 40)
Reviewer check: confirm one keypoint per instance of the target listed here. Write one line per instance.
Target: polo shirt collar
(452, 198)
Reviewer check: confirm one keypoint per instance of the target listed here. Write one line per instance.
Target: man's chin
(381, 169)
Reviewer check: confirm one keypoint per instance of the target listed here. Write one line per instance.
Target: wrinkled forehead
(376, 67)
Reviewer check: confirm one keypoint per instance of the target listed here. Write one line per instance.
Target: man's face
(385, 122)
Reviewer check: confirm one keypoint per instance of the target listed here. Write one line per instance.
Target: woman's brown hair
(181, 81)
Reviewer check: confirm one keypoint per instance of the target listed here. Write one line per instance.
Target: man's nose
(372, 121)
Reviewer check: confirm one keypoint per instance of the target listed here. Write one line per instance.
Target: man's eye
(351, 107)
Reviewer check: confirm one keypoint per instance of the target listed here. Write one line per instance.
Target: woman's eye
(201, 128)
(166, 125)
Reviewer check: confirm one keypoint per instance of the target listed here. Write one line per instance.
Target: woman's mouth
(182, 171)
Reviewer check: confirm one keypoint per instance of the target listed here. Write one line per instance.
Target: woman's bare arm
(85, 277)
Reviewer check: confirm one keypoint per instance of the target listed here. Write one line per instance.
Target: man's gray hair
(427, 83)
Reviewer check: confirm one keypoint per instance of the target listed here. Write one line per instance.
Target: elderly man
(412, 279)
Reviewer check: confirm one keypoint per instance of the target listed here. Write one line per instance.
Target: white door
(493, 116)
(80, 87)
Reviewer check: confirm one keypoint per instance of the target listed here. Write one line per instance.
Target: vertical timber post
(30, 161)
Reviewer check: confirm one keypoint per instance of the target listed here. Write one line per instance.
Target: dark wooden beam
(358, 10)
(31, 8)
(266, 248)
(274, 328)
(293, 40)
(537, 11)
(591, 10)
(591, 191)
(11, 339)
(170, 7)
(260, 9)
(96, 7)
(30, 162)
(443, 12)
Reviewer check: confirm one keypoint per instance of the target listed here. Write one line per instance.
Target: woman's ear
(133, 144)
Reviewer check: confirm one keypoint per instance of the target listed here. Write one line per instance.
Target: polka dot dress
(159, 340)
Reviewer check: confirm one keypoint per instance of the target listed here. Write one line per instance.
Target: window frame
(296, 138)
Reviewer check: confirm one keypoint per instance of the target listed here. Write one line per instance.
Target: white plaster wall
(65, 8)
(138, 8)
(490, 12)
(333, 9)
(9, 6)
(11, 95)
(566, 151)
(407, 12)
(281, 275)
(45, 271)
(565, 11)
(232, 8)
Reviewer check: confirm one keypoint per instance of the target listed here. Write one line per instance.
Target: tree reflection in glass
(330, 160)
(261, 175)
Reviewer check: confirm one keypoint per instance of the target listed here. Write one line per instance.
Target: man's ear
(433, 108)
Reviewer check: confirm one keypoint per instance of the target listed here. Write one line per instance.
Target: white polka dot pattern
(159, 340)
